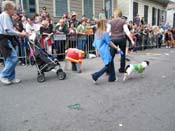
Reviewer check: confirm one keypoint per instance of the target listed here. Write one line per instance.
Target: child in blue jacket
(103, 43)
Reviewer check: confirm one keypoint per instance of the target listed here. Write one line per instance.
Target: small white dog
(131, 68)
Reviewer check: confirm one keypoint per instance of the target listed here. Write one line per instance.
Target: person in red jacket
(75, 56)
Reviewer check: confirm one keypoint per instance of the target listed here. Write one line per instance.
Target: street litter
(92, 56)
(74, 106)
(150, 54)
(167, 54)
(120, 125)
(163, 76)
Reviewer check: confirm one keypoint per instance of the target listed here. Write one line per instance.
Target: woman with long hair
(102, 43)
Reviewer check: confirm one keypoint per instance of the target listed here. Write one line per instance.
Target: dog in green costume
(131, 68)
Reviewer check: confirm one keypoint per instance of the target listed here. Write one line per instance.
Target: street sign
(59, 37)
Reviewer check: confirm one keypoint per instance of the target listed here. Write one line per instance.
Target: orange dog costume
(75, 56)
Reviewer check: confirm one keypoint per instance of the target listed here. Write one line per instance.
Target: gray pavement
(140, 104)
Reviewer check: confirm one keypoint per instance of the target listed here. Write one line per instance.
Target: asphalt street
(77, 104)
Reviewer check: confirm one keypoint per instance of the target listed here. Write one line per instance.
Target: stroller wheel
(61, 75)
(41, 77)
(60, 70)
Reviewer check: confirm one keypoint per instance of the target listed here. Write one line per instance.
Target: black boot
(74, 68)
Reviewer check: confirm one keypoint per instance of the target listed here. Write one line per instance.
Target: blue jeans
(10, 64)
(81, 44)
(107, 68)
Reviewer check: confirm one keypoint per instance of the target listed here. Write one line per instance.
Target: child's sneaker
(16, 81)
(94, 80)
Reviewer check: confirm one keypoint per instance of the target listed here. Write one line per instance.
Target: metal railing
(61, 42)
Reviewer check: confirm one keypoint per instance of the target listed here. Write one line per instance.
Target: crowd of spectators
(77, 33)
(149, 36)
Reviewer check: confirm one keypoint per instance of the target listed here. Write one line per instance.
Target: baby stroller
(44, 61)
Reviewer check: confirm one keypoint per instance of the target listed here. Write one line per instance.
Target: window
(153, 16)
(146, 14)
(29, 6)
(158, 17)
(135, 9)
(31, 2)
(108, 8)
(88, 8)
(61, 7)
(174, 20)
(32, 6)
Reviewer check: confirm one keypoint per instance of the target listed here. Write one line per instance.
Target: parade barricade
(58, 46)
(61, 42)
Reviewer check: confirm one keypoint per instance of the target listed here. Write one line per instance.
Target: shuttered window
(61, 7)
(158, 17)
(153, 16)
(108, 8)
(145, 14)
(135, 9)
(88, 8)
(29, 6)
(174, 20)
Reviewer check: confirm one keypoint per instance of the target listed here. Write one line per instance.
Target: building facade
(153, 11)
(171, 14)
